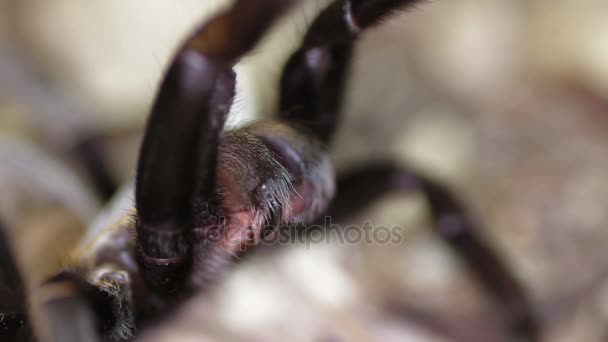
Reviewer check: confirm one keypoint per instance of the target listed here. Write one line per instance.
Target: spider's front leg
(65, 316)
(204, 196)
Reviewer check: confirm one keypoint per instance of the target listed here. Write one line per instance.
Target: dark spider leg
(12, 296)
(358, 188)
(64, 317)
(179, 151)
(314, 77)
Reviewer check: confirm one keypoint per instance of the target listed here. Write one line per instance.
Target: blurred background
(503, 101)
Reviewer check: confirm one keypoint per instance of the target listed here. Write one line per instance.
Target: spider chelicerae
(204, 196)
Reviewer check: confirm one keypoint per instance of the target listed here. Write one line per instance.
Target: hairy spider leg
(179, 152)
(313, 80)
(65, 317)
(359, 187)
(12, 293)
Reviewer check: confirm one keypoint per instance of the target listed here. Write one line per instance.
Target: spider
(204, 196)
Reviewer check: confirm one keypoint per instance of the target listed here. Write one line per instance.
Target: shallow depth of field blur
(504, 101)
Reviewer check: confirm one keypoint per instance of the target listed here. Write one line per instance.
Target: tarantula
(204, 195)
